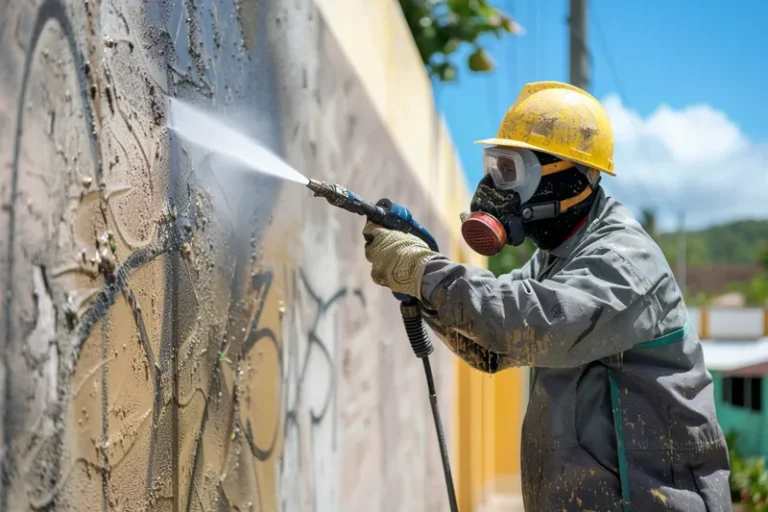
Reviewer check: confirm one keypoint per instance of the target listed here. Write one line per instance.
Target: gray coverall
(621, 414)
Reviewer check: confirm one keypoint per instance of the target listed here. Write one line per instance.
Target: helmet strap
(552, 209)
(555, 167)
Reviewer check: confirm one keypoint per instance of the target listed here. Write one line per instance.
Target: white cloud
(694, 159)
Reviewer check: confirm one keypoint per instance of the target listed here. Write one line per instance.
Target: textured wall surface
(178, 334)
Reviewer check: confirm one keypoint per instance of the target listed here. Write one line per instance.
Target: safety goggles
(518, 169)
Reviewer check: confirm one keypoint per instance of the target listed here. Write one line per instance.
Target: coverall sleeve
(594, 307)
(522, 273)
(476, 356)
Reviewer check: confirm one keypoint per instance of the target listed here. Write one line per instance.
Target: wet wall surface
(179, 334)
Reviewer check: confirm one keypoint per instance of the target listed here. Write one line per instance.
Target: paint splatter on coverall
(602, 322)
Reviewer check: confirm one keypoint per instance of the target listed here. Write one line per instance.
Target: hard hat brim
(524, 145)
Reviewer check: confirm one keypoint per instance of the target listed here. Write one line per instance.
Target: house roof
(716, 278)
(729, 356)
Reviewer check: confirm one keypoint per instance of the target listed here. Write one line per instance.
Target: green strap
(667, 339)
(619, 428)
(618, 425)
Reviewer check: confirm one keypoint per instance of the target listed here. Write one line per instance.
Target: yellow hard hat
(559, 119)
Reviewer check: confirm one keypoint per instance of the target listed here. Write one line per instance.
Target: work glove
(398, 259)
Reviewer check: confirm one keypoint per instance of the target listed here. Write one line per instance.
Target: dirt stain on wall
(169, 344)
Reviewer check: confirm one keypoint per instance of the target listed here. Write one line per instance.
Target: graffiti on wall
(169, 344)
(155, 361)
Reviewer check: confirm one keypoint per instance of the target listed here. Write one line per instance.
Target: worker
(621, 412)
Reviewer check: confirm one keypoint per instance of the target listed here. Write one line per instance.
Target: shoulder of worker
(615, 237)
(529, 269)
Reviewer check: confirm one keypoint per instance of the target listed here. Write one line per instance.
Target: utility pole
(579, 53)
(579, 76)
(681, 254)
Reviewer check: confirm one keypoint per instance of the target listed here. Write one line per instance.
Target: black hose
(416, 331)
(400, 220)
(422, 347)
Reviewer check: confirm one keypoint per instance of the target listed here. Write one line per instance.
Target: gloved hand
(398, 259)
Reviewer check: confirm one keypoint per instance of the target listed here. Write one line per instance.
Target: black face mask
(497, 218)
(550, 233)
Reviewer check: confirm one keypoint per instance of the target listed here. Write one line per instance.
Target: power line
(682, 249)
(510, 10)
(622, 92)
(580, 59)
(518, 60)
(536, 40)
(531, 51)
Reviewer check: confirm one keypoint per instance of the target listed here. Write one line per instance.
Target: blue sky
(684, 83)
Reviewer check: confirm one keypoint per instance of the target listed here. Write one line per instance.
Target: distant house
(713, 279)
(740, 373)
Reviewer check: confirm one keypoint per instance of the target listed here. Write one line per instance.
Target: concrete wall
(178, 334)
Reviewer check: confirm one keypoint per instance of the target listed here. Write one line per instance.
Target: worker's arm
(476, 356)
(596, 306)
(524, 272)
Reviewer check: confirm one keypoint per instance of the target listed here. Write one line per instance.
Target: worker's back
(637, 427)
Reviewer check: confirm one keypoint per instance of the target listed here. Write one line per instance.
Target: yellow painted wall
(191, 371)
(488, 420)
(487, 410)
(378, 44)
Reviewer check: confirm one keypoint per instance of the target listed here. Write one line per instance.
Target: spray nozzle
(334, 194)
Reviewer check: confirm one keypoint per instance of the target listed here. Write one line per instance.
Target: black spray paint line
(151, 367)
(99, 311)
(178, 182)
(260, 287)
(49, 10)
(120, 285)
(214, 384)
(170, 315)
(292, 419)
(106, 328)
(261, 284)
(174, 261)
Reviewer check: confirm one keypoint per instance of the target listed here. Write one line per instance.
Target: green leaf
(456, 5)
(480, 61)
(441, 27)
(509, 25)
(447, 72)
(451, 46)
(488, 12)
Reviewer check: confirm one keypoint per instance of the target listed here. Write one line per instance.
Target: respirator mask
(504, 201)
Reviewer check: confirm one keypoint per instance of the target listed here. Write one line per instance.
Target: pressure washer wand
(395, 217)
(384, 213)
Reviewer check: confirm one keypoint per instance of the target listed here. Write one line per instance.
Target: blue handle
(399, 218)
